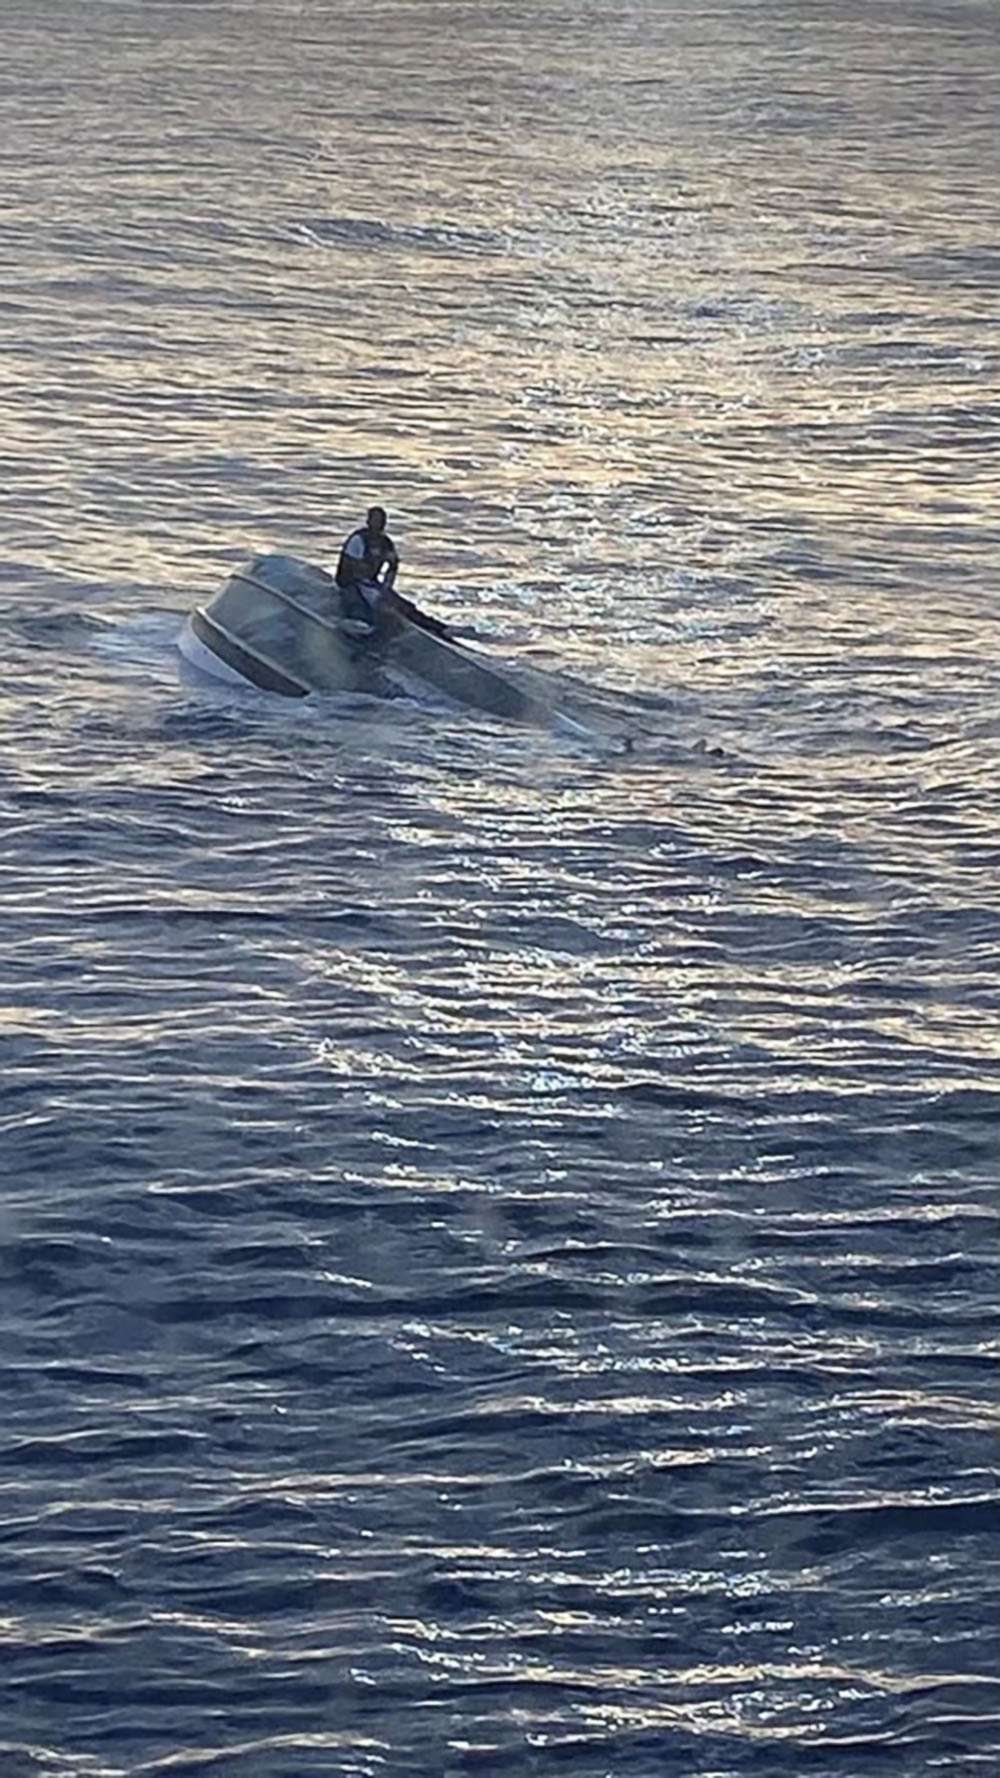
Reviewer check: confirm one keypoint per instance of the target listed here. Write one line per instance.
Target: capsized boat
(280, 624)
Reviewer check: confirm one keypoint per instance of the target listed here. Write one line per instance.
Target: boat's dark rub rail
(257, 668)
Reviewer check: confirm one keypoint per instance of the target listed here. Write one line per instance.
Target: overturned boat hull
(279, 625)
(207, 645)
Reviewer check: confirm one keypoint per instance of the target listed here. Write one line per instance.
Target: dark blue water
(498, 1237)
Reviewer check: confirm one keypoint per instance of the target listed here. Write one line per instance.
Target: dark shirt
(364, 556)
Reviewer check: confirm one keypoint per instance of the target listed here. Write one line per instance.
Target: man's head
(376, 520)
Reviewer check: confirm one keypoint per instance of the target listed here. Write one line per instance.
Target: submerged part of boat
(279, 624)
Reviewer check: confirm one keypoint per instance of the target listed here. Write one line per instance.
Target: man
(366, 578)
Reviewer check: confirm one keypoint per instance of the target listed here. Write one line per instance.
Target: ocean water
(498, 1238)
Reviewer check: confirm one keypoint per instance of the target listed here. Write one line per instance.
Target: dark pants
(353, 603)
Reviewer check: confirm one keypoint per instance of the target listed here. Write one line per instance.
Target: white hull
(206, 661)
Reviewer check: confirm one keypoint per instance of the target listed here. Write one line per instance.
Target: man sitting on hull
(366, 578)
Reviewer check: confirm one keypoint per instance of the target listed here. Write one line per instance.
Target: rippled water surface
(497, 1236)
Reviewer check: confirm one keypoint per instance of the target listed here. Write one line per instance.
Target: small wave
(364, 233)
